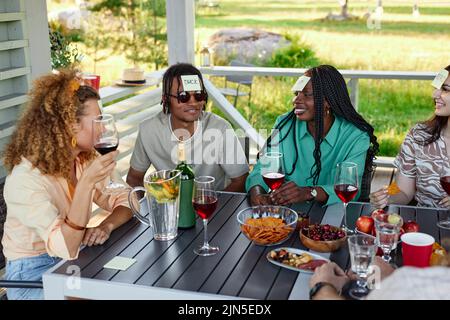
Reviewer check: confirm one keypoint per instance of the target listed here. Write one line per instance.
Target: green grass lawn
(403, 43)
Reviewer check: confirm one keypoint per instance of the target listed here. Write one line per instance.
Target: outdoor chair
(240, 81)
(10, 283)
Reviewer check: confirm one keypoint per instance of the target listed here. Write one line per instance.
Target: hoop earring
(74, 142)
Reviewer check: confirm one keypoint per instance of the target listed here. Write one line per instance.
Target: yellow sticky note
(191, 83)
(300, 84)
(120, 263)
(440, 79)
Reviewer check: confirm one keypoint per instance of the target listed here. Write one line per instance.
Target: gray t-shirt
(213, 150)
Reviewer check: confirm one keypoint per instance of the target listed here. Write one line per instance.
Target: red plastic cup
(417, 248)
(92, 80)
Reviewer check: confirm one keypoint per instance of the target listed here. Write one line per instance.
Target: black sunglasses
(185, 96)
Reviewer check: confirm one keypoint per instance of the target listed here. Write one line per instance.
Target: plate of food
(296, 259)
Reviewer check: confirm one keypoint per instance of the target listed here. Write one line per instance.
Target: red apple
(365, 224)
(411, 226)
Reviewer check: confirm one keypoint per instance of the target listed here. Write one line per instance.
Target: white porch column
(180, 15)
(38, 38)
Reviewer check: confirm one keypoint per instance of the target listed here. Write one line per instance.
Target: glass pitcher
(161, 201)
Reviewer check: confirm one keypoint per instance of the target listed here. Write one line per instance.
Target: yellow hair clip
(74, 85)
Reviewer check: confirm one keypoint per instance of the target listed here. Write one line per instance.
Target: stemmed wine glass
(362, 252)
(346, 186)
(105, 138)
(272, 169)
(204, 200)
(444, 217)
(387, 228)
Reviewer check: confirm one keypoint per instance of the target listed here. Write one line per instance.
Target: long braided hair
(176, 71)
(328, 84)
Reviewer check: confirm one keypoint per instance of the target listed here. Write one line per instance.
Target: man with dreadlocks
(322, 130)
(206, 137)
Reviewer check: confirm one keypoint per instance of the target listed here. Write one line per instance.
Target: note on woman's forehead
(300, 84)
(440, 79)
(191, 83)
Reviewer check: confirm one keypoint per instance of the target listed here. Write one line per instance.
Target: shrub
(296, 55)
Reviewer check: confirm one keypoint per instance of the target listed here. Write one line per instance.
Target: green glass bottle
(186, 218)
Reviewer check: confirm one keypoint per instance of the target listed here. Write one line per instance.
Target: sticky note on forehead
(300, 84)
(440, 79)
(191, 83)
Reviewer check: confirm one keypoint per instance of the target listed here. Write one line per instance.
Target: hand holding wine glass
(205, 200)
(346, 186)
(105, 138)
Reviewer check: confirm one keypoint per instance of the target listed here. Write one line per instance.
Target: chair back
(2, 221)
(245, 80)
(366, 182)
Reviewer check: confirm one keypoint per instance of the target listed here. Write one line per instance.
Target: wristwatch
(316, 288)
(313, 193)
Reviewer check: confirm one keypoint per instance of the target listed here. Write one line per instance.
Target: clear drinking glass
(387, 228)
(362, 252)
(272, 169)
(105, 138)
(346, 186)
(204, 200)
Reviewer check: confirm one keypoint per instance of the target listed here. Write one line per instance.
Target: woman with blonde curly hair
(54, 176)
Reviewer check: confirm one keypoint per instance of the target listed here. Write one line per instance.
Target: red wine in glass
(445, 183)
(205, 206)
(273, 179)
(345, 192)
(105, 147)
(204, 201)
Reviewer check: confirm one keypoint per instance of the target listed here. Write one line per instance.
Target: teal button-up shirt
(344, 142)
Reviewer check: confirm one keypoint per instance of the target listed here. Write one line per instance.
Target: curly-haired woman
(54, 176)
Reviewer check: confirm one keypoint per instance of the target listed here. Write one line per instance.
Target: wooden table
(170, 270)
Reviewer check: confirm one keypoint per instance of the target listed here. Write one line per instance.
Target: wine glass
(387, 228)
(362, 252)
(272, 170)
(444, 217)
(346, 186)
(204, 200)
(105, 138)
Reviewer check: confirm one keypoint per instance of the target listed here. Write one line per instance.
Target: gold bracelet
(73, 225)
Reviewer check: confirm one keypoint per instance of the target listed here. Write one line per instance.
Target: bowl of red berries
(323, 237)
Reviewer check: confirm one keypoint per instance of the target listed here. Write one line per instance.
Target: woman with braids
(322, 130)
(54, 176)
(423, 156)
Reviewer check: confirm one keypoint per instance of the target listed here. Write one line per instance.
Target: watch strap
(316, 288)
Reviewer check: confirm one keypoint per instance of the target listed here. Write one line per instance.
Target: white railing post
(180, 17)
(353, 84)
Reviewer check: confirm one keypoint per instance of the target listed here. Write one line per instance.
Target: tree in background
(97, 37)
(138, 29)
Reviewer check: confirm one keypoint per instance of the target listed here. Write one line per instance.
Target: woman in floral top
(424, 154)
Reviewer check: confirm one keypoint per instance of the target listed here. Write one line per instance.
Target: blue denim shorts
(31, 269)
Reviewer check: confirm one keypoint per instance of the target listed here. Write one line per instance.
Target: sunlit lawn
(403, 43)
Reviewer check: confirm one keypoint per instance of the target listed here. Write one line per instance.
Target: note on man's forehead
(440, 79)
(300, 84)
(191, 83)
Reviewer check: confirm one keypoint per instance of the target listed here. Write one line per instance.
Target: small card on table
(120, 263)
